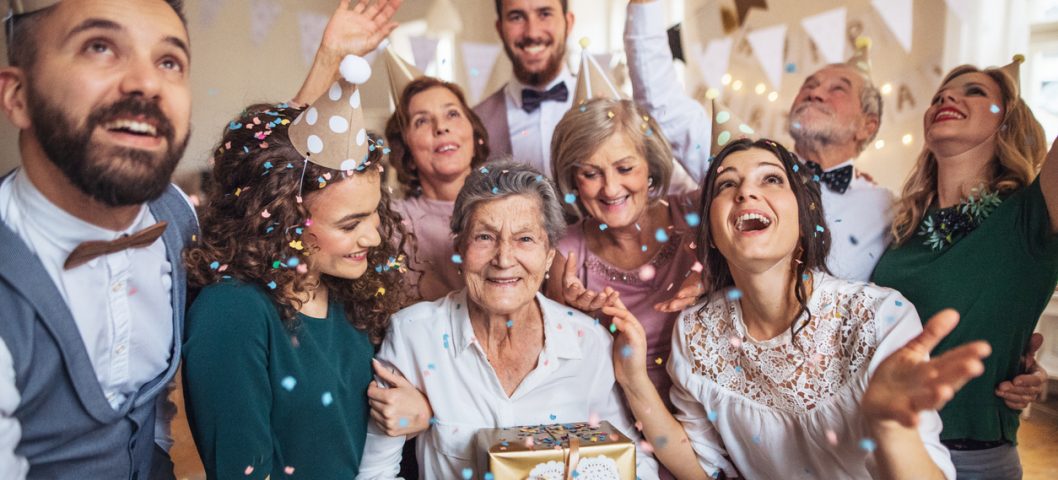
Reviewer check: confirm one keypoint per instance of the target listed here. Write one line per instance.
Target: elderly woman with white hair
(498, 353)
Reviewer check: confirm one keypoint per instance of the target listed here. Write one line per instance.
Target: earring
(547, 275)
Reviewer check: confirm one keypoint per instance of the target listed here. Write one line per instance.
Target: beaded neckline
(945, 226)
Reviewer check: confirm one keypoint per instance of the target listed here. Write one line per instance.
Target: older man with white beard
(835, 115)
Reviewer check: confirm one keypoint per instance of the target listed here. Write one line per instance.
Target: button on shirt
(433, 345)
(531, 132)
(121, 302)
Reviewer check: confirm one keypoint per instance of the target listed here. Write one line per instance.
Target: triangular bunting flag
(897, 16)
(311, 26)
(827, 30)
(263, 14)
(713, 61)
(424, 50)
(767, 46)
(479, 58)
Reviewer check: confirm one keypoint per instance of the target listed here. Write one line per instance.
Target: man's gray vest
(69, 430)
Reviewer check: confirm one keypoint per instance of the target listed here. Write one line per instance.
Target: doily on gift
(594, 468)
(548, 471)
(598, 468)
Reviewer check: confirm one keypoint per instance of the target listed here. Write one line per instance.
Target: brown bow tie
(87, 251)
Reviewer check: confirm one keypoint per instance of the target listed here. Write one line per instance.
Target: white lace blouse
(788, 407)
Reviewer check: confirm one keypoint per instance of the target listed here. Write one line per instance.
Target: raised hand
(400, 408)
(690, 290)
(629, 346)
(908, 381)
(1027, 387)
(575, 295)
(358, 30)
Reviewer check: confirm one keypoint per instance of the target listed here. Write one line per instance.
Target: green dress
(999, 278)
(265, 401)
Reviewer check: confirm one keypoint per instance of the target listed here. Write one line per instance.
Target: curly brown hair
(401, 157)
(257, 170)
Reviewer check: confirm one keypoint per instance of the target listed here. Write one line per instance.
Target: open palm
(358, 30)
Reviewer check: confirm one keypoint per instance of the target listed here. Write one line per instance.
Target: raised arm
(350, 31)
(907, 384)
(655, 88)
(1049, 184)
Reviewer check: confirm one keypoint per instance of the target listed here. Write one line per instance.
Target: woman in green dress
(975, 231)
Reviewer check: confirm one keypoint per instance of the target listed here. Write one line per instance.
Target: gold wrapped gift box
(554, 452)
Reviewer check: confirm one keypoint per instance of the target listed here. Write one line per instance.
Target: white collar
(59, 227)
(558, 341)
(515, 87)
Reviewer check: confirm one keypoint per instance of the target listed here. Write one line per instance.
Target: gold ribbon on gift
(506, 453)
(572, 457)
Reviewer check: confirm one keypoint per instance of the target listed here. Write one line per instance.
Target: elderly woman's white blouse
(789, 407)
(433, 346)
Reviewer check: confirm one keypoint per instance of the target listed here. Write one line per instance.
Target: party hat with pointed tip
(331, 132)
(593, 81)
(1014, 70)
(861, 58)
(400, 73)
(727, 127)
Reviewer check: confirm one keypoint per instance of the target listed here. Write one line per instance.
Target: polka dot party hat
(861, 58)
(400, 73)
(726, 127)
(331, 133)
(593, 81)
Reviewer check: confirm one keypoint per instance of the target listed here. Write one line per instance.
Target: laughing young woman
(787, 371)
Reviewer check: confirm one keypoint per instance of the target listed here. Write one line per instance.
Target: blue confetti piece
(267, 165)
(626, 351)
(495, 190)
(467, 473)
(269, 229)
(298, 230)
(272, 285)
(444, 338)
(456, 258)
(510, 323)
(819, 228)
(569, 312)
(804, 277)
(433, 420)
(796, 168)
(431, 366)
(853, 240)
(215, 265)
(867, 445)
(712, 415)
(327, 399)
(552, 417)
(756, 439)
(994, 108)
(899, 303)
(293, 262)
(693, 219)
(570, 198)
(403, 422)
(734, 294)
(288, 383)
(233, 125)
(474, 72)
(603, 227)
(489, 476)
(483, 170)
(661, 236)
(643, 248)
(815, 178)
(791, 68)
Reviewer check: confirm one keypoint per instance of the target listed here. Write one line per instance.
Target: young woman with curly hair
(297, 286)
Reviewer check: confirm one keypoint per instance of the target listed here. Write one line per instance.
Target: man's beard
(819, 132)
(541, 78)
(115, 176)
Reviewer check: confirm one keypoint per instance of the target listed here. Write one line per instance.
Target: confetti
(661, 236)
(734, 294)
(697, 267)
(994, 108)
(296, 245)
(867, 445)
(468, 473)
(603, 227)
(248, 471)
(456, 258)
(713, 415)
(265, 214)
(272, 285)
(327, 399)
(593, 420)
(820, 229)
(693, 219)
(570, 198)
(489, 476)
(288, 470)
(215, 265)
(552, 417)
(288, 383)
(626, 351)
(832, 438)
(403, 422)
(647, 272)
(899, 303)
(659, 360)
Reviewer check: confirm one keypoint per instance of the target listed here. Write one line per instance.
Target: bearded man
(521, 116)
(91, 284)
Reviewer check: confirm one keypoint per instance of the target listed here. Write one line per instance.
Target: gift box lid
(554, 436)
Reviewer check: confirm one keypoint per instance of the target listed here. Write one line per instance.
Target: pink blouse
(432, 256)
(670, 265)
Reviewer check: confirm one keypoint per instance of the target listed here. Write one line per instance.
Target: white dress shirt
(433, 345)
(789, 407)
(858, 220)
(531, 132)
(121, 302)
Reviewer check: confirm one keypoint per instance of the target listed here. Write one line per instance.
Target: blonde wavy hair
(1020, 149)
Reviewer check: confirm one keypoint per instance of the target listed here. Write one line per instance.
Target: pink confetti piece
(832, 438)
(265, 214)
(735, 342)
(248, 471)
(647, 272)
(697, 267)
(593, 420)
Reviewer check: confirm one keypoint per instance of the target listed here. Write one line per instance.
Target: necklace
(944, 226)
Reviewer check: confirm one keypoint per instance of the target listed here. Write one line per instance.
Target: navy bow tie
(531, 99)
(836, 180)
